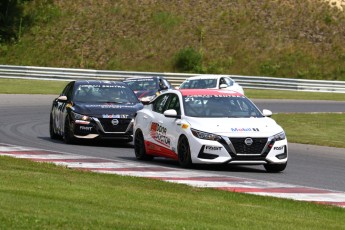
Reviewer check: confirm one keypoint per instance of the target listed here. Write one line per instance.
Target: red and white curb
(182, 176)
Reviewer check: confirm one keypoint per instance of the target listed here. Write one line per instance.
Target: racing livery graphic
(158, 133)
(208, 126)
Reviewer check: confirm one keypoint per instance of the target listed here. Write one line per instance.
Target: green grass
(293, 39)
(293, 95)
(325, 129)
(22, 86)
(44, 196)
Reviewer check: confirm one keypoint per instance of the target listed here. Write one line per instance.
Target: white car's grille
(242, 148)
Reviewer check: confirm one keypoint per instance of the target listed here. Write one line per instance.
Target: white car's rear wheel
(139, 147)
(183, 151)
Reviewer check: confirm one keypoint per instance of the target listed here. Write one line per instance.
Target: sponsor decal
(193, 97)
(141, 79)
(109, 106)
(113, 86)
(85, 128)
(115, 115)
(213, 93)
(158, 133)
(244, 130)
(279, 148)
(213, 148)
(114, 122)
(101, 86)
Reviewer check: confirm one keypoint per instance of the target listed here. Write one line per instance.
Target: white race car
(211, 81)
(209, 127)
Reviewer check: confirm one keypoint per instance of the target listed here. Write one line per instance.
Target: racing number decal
(159, 134)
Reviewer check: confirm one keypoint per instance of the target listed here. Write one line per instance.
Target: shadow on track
(100, 143)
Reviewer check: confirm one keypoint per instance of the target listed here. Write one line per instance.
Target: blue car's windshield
(104, 93)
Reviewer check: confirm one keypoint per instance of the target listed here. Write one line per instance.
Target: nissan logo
(248, 141)
(115, 122)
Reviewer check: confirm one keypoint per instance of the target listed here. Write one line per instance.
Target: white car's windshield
(219, 106)
(199, 84)
(142, 84)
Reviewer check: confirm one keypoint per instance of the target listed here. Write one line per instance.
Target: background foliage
(11, 12)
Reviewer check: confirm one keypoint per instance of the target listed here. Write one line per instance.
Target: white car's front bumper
(235, 151)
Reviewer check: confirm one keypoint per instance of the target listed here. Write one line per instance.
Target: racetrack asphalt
(24, 122)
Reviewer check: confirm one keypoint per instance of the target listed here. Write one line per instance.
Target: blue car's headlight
(279, 136)
(205, 135)
(77, 116)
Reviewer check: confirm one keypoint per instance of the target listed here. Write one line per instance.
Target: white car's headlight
(205, 135)
(279, 136)
(77, 116)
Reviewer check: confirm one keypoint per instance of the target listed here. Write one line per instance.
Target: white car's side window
(174, 103)
(229, 82)
(159, 104)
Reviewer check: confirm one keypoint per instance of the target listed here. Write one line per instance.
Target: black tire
(274, 168)
(52, 133)
(68, 137)
(139, 147)
(183, 151)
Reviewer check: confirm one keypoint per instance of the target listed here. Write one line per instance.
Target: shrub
(188, 60)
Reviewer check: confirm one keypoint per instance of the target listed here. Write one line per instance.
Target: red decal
(156, 150)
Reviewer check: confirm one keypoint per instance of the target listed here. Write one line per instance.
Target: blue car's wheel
(68, 132)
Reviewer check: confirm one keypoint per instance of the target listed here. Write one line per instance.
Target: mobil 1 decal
(159, 133)
(245, 130)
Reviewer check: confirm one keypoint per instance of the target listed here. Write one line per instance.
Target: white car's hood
(236, 127)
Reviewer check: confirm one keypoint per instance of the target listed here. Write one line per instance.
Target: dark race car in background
(211, 81)
(92, 109)
(146, 88)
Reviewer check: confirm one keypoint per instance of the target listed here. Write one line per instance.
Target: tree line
(11, 14)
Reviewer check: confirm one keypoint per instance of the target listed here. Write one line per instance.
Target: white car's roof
(217, 92)
(207, 76)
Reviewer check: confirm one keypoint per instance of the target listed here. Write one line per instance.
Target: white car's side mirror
(223, 86)
(171, 113)
(267, 113)
(176, 87)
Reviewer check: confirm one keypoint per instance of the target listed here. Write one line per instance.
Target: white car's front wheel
(183, 151)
